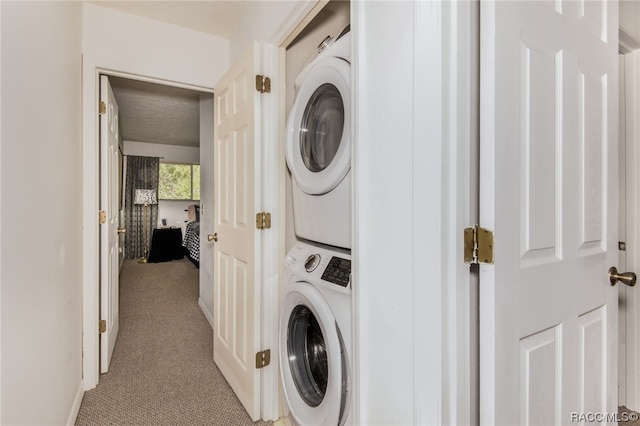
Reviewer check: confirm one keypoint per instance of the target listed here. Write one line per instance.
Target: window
(179, 182)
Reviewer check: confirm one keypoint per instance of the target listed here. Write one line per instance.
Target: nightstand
(166, 245)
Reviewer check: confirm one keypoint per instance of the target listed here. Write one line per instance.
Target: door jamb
(631, 297)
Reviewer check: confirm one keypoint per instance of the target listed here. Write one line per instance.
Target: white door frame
(630, 395)
(622, 233)
(629, 365)
(90, 207)
(410, 218)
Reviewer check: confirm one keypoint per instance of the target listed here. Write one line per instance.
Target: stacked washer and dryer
(315, 314)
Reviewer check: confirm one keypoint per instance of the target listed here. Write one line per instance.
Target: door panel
(109, 239)
(236, 265)
(548, 183)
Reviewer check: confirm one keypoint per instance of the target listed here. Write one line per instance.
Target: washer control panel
(338, 271)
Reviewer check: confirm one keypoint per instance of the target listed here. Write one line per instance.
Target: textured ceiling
(215, 17)
(158, 114)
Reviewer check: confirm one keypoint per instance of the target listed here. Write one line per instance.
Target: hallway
(162, 370)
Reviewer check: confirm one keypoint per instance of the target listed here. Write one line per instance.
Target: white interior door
(110, 204)
(236, 260)
(548, 188)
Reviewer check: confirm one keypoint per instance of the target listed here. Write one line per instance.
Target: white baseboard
(75, 408)
(206, 312)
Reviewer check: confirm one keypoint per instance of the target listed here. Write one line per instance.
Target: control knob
(312, 262)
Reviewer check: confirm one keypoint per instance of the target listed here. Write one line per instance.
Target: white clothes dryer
(318, 147)
(315, 336)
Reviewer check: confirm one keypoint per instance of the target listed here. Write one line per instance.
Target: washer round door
(319, 128)
(310, 357)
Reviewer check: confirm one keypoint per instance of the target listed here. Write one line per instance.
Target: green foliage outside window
(179, 182)
(196, 182)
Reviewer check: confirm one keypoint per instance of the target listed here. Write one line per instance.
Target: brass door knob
(626, 278)
(122, 230)
(213, 237)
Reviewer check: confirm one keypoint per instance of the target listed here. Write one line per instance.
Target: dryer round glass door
(311, 357)
(319, 128)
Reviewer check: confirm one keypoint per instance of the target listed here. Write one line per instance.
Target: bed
(191, 242)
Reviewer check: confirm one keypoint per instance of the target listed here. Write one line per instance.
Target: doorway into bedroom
(161, 136)
(164, 131)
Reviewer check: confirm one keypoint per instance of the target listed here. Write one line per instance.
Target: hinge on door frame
(478, 245)
(622, 246)
(263, 358)
(263, 84)
(102, 326)
(102, 217)
(103, 108)
(263, 220)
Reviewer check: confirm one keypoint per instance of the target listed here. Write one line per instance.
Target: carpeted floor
(628, 417)
(162, 371)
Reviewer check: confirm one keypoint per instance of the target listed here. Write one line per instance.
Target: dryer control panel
(338, 271)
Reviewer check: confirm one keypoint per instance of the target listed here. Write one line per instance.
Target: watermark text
(596, 417)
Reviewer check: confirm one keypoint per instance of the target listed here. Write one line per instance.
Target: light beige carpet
(162, 371)
(628, 417)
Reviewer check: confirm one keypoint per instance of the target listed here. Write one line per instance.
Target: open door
(109, 206)
(548, 189)
(236, 286)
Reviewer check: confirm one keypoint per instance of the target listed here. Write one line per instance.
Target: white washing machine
(315, 336)
(318, 147)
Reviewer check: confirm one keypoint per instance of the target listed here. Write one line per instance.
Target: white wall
(266, 21)
(135, 45)
(41, 376)
(206, 206)
(123, 44)
(172, 210)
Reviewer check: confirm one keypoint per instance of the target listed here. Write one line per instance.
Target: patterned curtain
(141, 173)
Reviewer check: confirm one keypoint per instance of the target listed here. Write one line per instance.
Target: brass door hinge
(103, 108)
(102, 217)
(263, 358)
(102, 326)
(263, 84)
(263, 220)
(478, 245)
